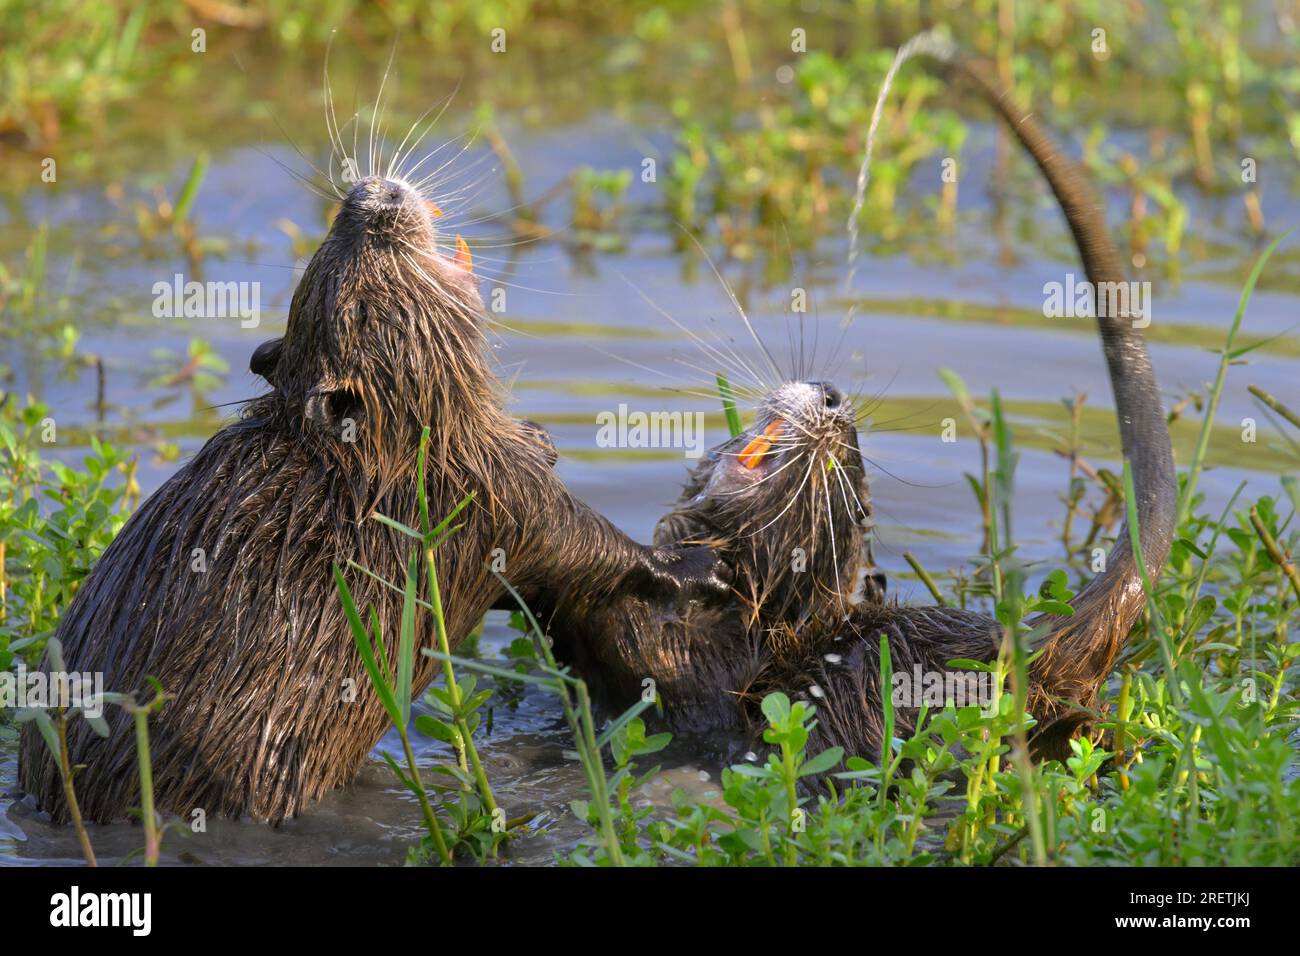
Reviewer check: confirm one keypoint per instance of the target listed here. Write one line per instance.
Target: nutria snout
(390, 209)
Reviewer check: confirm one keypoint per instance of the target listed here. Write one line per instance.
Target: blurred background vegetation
(1175, 92)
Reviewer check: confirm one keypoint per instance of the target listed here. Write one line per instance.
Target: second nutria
(220, 585)
(814, 637)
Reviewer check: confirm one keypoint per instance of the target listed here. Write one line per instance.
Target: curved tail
(1079, 652)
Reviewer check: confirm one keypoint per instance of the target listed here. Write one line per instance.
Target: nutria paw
(690, 574)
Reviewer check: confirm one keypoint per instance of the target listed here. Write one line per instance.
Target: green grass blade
(190, 191)
(1212, 406)
(364, 647)
(436, 533)
(398, 526)
(377, 632)
(406, 644)
(729, 406)
(387, 583)
(422, 493)
(498, 672)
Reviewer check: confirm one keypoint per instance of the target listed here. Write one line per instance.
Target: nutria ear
(324, 403)
(317, 409)
(265, 358)
(329, 404)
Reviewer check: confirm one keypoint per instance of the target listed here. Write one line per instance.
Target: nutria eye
(831, 395)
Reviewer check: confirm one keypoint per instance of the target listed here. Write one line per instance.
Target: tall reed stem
(70, 792)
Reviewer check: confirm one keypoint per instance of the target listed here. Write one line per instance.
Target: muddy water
(577, 339)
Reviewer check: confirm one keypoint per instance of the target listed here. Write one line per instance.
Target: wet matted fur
(220, 585)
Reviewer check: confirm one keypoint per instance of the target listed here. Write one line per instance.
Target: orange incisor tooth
(463, 258)
(757, 449)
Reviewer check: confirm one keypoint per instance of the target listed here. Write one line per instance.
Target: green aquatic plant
(55, 520)
(395, 693)
(52, 724)
(1226, 357)
(478, 818)
(598, 207)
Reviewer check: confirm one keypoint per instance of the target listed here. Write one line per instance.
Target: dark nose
(830, 394)
(375, 191)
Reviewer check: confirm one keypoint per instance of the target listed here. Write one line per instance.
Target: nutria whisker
(473, 175)
(302, 180)
(466, 141)
(511, 260)
(865, 406)
(374, 113)
(701, 392)
(730, 360)
(333, 196)
(431, 178)
(740, 390)
(337, 148)
(765, 478)
(793, 498)
(399, 156)
(734, 301)
(875, 463)
(845, 486)
(880, 426)
(490, 317)
(835, 559)
(305, 181)
(511, 238)
(740, 377)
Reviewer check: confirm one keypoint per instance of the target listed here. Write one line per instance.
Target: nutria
(220, 585)
(803, 634)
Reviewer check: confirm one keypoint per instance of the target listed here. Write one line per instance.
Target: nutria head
(786, 503)
(384, 337)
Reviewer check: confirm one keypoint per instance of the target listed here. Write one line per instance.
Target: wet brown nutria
(756, 501)
(220, 586)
